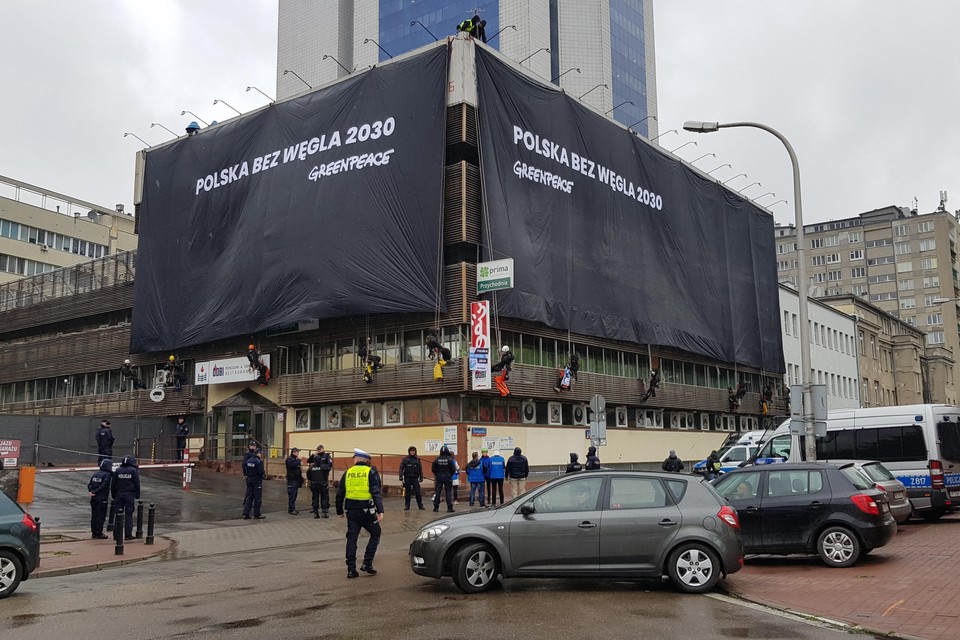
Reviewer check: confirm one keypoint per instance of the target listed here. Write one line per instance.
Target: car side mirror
(527, 508)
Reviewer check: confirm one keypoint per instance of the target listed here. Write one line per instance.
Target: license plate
(898, 495)
(886, 507)
(954, 494)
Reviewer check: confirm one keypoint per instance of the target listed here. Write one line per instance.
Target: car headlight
(433, 532)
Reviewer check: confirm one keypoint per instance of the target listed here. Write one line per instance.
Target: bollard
(111, 514)
(118, 533)
(139, 533)
(151, 518)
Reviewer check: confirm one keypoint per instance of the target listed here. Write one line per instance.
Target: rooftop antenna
(943, 201)
(916, 204)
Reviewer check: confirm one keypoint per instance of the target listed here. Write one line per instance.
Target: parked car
(19, 545)
(606, 524)
(731, 457)
(831, 509)
(884, 480)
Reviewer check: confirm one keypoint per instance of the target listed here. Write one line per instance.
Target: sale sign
(480, 345)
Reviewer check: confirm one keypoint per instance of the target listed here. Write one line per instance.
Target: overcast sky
(865, 90)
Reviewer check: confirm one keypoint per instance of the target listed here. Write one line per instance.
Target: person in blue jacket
(497, 472)
(253, 472)
(126, 489)
(99, 488)
(477, 476)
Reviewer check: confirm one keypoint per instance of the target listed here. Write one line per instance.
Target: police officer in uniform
(99, 488)
(105, 440)
(181, 433)
(443, 469)
(318, 471)
(294, 480)
(126, 489)
(359, 495)
(253, 472)
(411, 475)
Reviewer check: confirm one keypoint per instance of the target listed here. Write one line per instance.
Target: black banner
(613, 238)
(322, 206)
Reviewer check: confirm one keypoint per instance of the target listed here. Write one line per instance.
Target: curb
(87, 568)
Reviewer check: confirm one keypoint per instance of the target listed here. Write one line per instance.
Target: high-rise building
(902, 262)
(602, 50)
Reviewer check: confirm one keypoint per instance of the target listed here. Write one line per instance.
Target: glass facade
(628, 63)
(398, 36)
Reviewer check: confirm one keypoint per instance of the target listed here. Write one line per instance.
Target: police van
(919, 444)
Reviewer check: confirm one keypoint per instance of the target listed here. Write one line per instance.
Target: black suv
(808, 507)
(19, 545)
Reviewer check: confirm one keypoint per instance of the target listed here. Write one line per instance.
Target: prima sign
(495, 275)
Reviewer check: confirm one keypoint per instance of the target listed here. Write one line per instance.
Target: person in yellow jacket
(359, 496)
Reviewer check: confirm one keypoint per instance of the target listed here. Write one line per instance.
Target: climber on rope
(253, 356)
(568, 375)
(766, 397)
(438, 351)
(131, 373)
(652, 386)
(368, 362)
(737, 396)
(175, 372)
(503, 367)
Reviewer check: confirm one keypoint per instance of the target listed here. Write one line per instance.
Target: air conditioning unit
(44, 247)
(365, 415)
(160, 378)
(621, 417)
(650, 418)
(554, 414)
(529, 412)
(580, 414)
(333, 418)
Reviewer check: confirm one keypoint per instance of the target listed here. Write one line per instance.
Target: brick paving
(76, 552)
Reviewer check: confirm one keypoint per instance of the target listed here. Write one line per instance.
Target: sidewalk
(68, 552)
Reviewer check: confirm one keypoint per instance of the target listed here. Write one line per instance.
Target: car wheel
(475, 568)
(11, 573)
(838, 547)
(693, 568)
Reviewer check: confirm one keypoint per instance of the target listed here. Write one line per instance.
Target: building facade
(602, 50)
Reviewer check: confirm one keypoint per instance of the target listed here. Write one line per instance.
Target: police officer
(359, 495)
(593, 460)
(99, 488)
(318, 471)
(294, 480)
(443, 469)
(253, 472)
(181, 433)
(411, 475)
(104, 440)
(126, 489)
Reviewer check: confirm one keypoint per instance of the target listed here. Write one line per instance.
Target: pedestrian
(477, 478)
(593, 460)
(485, 461)
(318, 473)
(105, 440)
(254, 474)
(713, 466)
(411, 475)
(181, 433)
(443, 469)
(574, 465)
(99, 488)
(517, 471)
(497, 472)
(673, 464)
(294, 480)
(359, 496)
(125, 488)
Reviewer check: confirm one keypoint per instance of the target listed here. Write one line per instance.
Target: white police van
(920, 444)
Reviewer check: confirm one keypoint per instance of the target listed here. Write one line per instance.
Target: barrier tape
(168, 465)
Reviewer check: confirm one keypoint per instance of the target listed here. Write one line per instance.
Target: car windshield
(859, 479)
(877, 472)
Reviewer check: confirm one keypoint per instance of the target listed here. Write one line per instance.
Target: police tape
(164, 465)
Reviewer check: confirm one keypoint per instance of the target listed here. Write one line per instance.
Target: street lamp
(620, 105)
(712, 155)
(720, 167)
(663, 134)
(693, 142)
(752, 184)
(604, 85)
(413, 22)
(145, 143)
(216, 102)
(534, 53)
(509, 26)
(366, 40)
(768, 193)
(735, 177)
(157, 124)
(944, 300)
(565, 73)
(640, 120)
(771, 206)
(286, 71)
(808, 426)
(325, 56)
(261, 93)
(185, 112)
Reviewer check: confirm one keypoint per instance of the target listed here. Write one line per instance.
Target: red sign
(9, 452)
(480, 317)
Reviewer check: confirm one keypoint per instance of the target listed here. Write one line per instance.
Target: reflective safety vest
(466, 25)
(357, 481)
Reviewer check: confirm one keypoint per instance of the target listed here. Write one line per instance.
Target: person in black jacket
(593, 460)
(181, 433)
(294, 480)
(517, 471)
(125, 488)
(673, 464)
(104, 440)
(99, 488)
(411, 475)
(254, 474)
(574, 465)
(318, 473)
(128, 372)
(443, 469)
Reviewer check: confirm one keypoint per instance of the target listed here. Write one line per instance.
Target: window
(833, 258)
(928, 263)
(831, 241)
(783, 265)
(902, 248)
(928, 245)
(905, 285)
(818, 277)
(793, 318)
(833, 276)
(925, 227)
(934, 318)
(786, 322)
(910, 320)
(908, 303)
(887, 444)
(902, 229)
(856, 255)
(579, 495)
(905, 267)
(889, 277)
(878, 261)
(787, 247)
(742, 487)
(873, 346)
(855, 236)
(816, 332)
(860, 289)
(788, 483)
(883, 242)
(935, 337)
(931, 281)
(816, 243)
(636, 493)
(817, 261)
(858, 272)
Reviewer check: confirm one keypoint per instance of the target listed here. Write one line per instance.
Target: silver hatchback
(884, 480)
(598, 524)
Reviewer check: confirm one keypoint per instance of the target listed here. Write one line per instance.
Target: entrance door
(241, 428)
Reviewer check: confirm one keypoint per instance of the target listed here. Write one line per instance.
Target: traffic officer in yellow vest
(359, 495)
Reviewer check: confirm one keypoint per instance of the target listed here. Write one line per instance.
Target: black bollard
(111, 514)
(139, 533)
(118, 533)
(151, 517)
